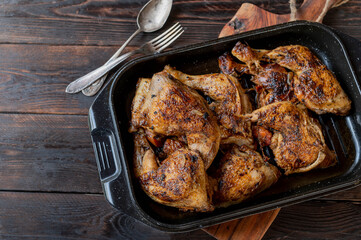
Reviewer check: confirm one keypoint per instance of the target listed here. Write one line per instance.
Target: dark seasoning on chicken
(199, 141)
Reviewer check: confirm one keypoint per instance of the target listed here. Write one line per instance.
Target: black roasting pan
(110, 114)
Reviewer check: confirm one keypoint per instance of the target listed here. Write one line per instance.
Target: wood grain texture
(44, 44)
(317, 220)
(79, 216)
(251, 227)
(101, 23)
(72, 216)
(33, 78)
(250, 16)
(353, 194)
(47, 153)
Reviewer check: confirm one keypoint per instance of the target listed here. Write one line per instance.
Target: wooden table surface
(49, 184)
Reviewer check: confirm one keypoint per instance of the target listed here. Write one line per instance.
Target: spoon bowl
(151, 18)
(153, 15)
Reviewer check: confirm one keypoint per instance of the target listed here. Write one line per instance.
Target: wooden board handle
(250, 17)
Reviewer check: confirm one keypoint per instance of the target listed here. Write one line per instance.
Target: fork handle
(88, 79)
(117, 53)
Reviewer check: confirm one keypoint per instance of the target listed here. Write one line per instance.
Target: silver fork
(153, 46)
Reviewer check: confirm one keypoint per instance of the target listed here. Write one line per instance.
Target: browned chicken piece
(169, 108)
(231, 67)
(273, 82)
(263, 135)
(314, 84)
(297, 142)
(242, 174)
(276, 82)
(172, 145)
(230, 103)
(180, 181)
(251, 57)
(156, 139)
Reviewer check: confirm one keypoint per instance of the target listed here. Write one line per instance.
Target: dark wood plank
(34, 77)
(353, 194)
(47, 153)
(37, 152)
(110, 22)
(72, 216)
(346, 18)
(80, 216)
(317, 220)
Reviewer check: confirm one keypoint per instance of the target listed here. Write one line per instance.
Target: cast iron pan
(110, 114)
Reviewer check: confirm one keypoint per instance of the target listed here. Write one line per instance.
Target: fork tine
(164, 40)
(167, 35)
(170, 40)
(166, 32)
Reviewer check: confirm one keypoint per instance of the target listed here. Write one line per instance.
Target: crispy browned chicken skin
(273, 85)
(180, 180)
(251, 57)
(169, 108)
(229, 66)
(297, 142)
(273, 82)
(242, 173)
(230, 102)
(313, 84)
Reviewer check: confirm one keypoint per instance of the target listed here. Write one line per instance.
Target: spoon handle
(88, 79)
(117, 53)
(95, 87)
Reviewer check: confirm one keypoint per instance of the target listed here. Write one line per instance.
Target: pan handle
(108, 154)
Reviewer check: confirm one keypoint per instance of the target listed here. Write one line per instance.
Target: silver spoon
(151, 18)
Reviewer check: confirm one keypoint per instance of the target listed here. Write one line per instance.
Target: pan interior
(203, 59)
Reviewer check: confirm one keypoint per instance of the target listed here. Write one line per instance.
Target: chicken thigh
(169, 108)
(180, 180)
(229, 66)
(242, 174)
(230, 102)
(297, 142)
(273, 82)
(313, 84)
(273, 85)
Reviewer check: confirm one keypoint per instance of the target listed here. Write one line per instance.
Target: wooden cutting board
(248, 228)
(250, 17)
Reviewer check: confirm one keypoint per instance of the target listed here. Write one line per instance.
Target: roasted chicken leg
(180, 181)
(273, 85)
(273, 82)
(229, 103)
(242, 174)
(314, 84)
(229, 66)
(169, 108)
(297, 142)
